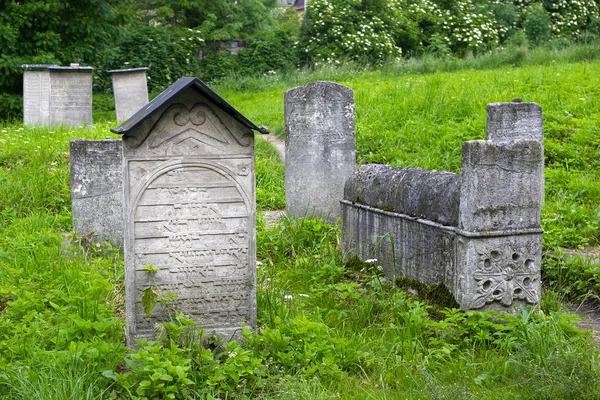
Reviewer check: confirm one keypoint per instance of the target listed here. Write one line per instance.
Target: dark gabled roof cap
(182, 84)
(113, 71)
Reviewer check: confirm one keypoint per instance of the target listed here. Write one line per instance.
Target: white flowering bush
(568, 18)
(336, 30)
(376, 30)
(467, 27)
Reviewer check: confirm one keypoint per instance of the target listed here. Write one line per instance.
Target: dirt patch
(589, 312)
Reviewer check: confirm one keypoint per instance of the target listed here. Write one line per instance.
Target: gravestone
(97, 189)
(57, 95)
(189, 190)
(320, 148)
(130, 89)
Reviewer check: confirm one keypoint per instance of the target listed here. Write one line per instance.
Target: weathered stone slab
(36, 96)
(502, 185)
(320, 148)
(401, 244)
(510, 121)
(71, 95)
(130, 89)
(189, 188)
(97, 189)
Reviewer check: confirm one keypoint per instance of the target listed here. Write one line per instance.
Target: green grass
(326, 330)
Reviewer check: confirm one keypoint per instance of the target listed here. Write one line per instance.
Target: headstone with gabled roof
(189, 191)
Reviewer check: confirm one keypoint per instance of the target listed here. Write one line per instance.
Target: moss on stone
(438, 295)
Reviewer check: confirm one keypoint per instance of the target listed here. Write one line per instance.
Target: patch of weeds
(572, 276)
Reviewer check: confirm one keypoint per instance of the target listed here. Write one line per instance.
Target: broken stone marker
(97, 189)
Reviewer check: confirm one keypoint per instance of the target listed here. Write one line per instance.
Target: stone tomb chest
(189, 205)
(54, 95)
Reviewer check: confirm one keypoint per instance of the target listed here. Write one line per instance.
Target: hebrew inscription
(192, 223)
(71, 97)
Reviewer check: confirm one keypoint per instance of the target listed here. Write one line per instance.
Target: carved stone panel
(499, 273)
(190, 205)
(36, 97)
(71, 97)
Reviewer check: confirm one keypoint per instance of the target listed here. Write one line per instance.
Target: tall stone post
(320, 148)
(500, 238)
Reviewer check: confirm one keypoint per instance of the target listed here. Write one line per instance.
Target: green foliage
(536, 24)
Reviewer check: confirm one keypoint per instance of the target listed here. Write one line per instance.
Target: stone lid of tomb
(182, 84)
(38, 66)
(113, 71)
(72, 67)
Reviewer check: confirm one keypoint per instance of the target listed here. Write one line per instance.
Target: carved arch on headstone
(221, 170)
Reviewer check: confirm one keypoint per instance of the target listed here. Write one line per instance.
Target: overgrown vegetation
(325, 329)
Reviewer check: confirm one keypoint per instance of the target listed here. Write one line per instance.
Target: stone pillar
(500, 238)
(130, 89)
(97, 189)
(320, 148)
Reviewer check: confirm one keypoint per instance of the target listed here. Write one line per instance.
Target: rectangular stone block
(320, 148)
(516, 120)
(502, 185)
(97, 189)
(499, 273)
(130, 89)
(70, 96)
(190, 211)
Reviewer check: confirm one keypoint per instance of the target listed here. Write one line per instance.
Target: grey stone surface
(70, 96)
(433, 195)
(189, 187)
(320, 148)
(502, 185)
(510, 121)
(498, 273)
(97, 189)
(130, 89)
(36, 97)
(483, 240)
(402, 245)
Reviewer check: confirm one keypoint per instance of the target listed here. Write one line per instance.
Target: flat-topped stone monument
(97, 189)
(189, 190)
(54, 95)
(130, 89)
(478, 232)
(320, 148)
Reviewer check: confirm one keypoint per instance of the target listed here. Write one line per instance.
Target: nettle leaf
(149, 298)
